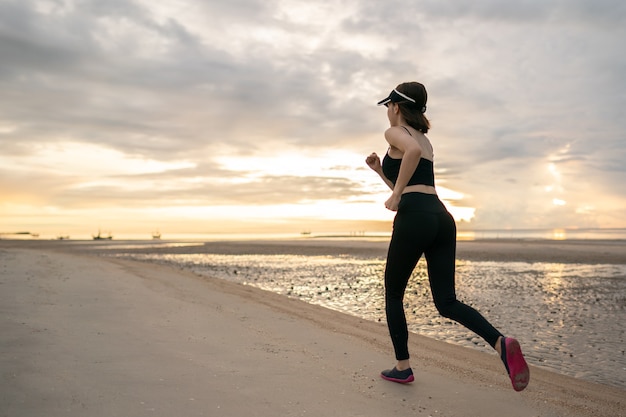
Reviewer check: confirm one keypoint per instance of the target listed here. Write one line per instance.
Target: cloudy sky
(257, 115)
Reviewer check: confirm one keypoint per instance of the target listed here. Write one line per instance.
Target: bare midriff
(419, 188)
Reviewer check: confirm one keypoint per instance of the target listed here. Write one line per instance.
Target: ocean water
(570, 318)
(463, 234)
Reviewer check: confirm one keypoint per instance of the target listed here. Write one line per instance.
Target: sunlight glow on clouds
(189, 113)
(4, 129)
(324, 163)
(83, 159)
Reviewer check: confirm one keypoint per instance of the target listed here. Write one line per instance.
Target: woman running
(422, 225)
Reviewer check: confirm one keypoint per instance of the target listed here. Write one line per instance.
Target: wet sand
(573, 251)
(86, 335)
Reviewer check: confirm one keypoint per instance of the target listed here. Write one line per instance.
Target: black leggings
(423, 226)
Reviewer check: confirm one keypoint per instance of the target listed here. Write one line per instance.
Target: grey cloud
(239, 10)
(108, 97)
(262, 191)
(600, 12)
(510, 83)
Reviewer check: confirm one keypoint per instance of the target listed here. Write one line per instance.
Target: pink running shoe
(401, 377)
(515, 363)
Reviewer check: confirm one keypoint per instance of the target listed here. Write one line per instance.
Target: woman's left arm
(411, 154)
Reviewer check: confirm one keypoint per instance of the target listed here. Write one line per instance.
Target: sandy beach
(499, 250)
(85, 335)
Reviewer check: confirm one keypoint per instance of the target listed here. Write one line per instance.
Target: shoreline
(497, 250)
(163, 336)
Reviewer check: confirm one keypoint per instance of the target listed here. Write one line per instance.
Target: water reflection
(142, 246)
(569, 316)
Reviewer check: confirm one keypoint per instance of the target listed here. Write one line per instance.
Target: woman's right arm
(373, 161)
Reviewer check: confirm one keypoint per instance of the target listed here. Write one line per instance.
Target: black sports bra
(424, 172)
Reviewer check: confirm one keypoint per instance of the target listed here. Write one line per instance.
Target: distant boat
(156, 235)
(99, 236)
(63, 237)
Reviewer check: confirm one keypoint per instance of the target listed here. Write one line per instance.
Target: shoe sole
(399, 381)
(518, 368)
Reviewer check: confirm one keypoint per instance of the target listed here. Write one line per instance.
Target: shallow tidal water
(570, 318)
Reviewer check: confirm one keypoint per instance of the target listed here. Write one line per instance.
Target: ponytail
(413, 113)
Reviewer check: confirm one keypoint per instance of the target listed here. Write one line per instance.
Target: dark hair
(413, 113)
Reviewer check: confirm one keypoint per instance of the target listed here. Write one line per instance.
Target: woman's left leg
(412, 232)
(401, 260)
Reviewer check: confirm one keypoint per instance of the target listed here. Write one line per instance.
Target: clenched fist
(373, 161)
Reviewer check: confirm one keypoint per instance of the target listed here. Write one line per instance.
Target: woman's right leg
(440, 257)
